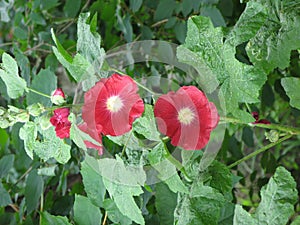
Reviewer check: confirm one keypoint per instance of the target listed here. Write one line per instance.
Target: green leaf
(28, 134)
(15, 85)
(92, 216)
(5, 197)
(277, 25)
(39, 84)
(48, 4)
(165, 203)
(202, 208)
(277, 200)
(114, 213)
(50, 146)
(6, 163)
(248, 24)
(77, 66)
(33, 190)
(242, 217)
(166, 170)
(88, 43)
(93, 184)
(47, 171)
(72, 7)
(214, 14)
(296, 221)
(291, 86)
(164, 9)
(48, 219)
(135, 5)
(146, 125)
(122, 182)
(79, 136)
(124, 24)
(240, 83)
(221, 177)
(5, 6)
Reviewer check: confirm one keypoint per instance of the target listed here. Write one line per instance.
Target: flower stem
(287, 129)
(260, 150)
(39, 93)
(176, 163)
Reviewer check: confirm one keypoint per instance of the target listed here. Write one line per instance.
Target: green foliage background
(248, 49)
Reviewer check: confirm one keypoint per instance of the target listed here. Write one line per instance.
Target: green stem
(64, 106)
(39, 93)
(260, 150)
(176, 163)
(287, 129)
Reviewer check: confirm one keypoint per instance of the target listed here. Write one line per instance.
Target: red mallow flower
(94, 133)
(114, 104)
(61, 122)
(257, 120)
(187, 117)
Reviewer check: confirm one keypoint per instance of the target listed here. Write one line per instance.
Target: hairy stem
(265, 148)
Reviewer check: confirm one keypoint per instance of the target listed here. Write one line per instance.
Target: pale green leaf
(202, 208)
(85, 213)
(28, 134)
(167, 172)
(88, 43)
(77, 66)
(93, 184)
(15, 85)
(45, 82)
(114, 213)
(33, 190)
(240, 83)
(79, 136)
(122, 182)
(291, 86)
(47, 171)
(146, 125)
(5, 197)
(277, 200)
(242, 217)
(276, 37)
(48, 219)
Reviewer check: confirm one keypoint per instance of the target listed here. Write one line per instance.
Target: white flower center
(114, 103)
(185, 116)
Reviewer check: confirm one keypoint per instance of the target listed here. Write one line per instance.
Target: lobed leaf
(291, 86)
(15, 85)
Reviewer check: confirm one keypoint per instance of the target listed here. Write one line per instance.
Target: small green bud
(35, 109)
(22, 117)
(272, 136)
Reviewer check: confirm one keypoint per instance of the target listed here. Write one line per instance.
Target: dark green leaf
(214, 14)
(48, 4)
(221, 177)
(6, 163)
(165, 203)
(291, 86)
(48, 219)
(164, 9)
(72, 7)
(40, 85)
(85, 213)
(33, 190)
(5, 197)
(135, 5)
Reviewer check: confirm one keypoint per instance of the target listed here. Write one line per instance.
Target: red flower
(257, 120)
(113, 104)
(61, 122)
(95, 134)
(187, 117)
(59, 92)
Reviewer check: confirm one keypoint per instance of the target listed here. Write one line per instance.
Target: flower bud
(35, 109)
(58, 97)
